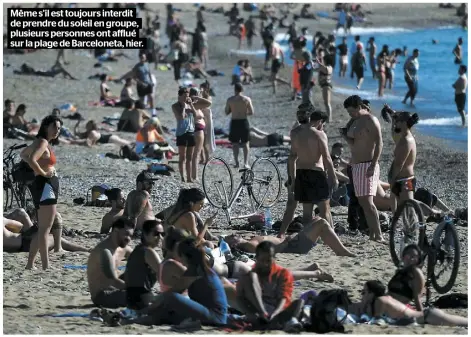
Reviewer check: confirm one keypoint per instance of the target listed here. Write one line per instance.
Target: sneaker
(293, 326)
(187, 325)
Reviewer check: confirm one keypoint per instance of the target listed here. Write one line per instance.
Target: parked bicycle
(442, 249)
(16, 180)
(262, 181)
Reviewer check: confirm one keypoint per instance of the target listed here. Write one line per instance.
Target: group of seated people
(242, 72)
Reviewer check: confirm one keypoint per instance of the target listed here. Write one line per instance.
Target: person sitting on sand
(133, 117)
(248, 73)
(151, 133)
(116, 196)
(106, 288)
(265, 293)
(18, 121)
(259, 138)
(300, 243)
(185, 215)
(92, 136)
(143, 266)
(106, 96)
(127, 94)
(138, 207)
(55, 70)
(18, 238)
(195, 68)
(408, 283)
(375, 303)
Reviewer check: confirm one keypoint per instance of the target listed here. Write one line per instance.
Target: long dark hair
(48, 120)
(193, 252)
(147, 227)
(187, 198)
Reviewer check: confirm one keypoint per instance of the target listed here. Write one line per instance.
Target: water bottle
(225, 249)
(268, 219)
(342, 316)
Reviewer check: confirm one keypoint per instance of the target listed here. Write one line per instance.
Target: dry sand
(30, 293)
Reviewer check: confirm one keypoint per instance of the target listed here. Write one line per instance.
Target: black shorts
(45, 191)
(388, 74)
(104, 139)
(460, 100)
(275, 139)
(311, 186)
(359, 72)
(240, 131)
(111, 298)
(144, 90)
(187, 139)
(275, 66)
(406, 185)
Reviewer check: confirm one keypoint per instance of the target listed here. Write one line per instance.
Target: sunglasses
(158, 233)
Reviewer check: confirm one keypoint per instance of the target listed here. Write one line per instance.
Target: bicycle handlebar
(9, 157)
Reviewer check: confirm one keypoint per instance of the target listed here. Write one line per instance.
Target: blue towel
(71, 266)
(67, 314)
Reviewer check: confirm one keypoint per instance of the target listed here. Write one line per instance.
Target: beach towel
(84, 267)
(295, 82)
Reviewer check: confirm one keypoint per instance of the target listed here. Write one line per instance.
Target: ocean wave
(448, 27)
(370, 95)
(246, 52)
(371, 30)
(441, 121)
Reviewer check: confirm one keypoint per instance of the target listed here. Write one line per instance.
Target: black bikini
(399, 283)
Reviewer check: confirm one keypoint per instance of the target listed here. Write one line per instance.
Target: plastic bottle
(268, 219)
(341, 316)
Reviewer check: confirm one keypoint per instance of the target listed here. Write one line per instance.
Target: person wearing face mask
(310, 166)
(106, 288)
(408, 283)
(363, 135)
(138, 207)
(116, 196)
(143, 266)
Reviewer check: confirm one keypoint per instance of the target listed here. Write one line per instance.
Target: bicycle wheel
(447, 248)
(27, 202)
(217, 182)
(266, 184)
(406, 222)
(6, 197)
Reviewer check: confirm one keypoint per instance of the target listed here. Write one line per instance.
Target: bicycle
(224, 199)
(437, 250)
(16, 185)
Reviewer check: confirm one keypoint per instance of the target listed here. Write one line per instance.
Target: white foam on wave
(447, 27)
(371, 30)
(369, 95)
(246, 52)
(441, 121)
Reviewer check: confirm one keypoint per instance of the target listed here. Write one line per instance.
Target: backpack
(22, 173)
(97, 192)
(452, 301)
(324, 311)
(127, 152)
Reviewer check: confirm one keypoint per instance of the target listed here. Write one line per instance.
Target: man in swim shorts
(106, 288)
(277, 58)
(138, 207)
(240, 106)
(366, 143)
(460, 86)
(308, 162)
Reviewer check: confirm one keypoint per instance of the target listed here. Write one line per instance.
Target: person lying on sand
(91, 136)
(133, 117)
(375, 303)
(21, 216)
(106, 288)
(55, 70)
(116, 196)
(259, 138)
(185, 215)
(195, 68)
(264, 294)
(300, 243)
(144, 266)
(17, 239)
(151, 133)
(138, 207)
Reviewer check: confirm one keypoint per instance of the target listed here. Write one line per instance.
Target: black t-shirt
(343, 49)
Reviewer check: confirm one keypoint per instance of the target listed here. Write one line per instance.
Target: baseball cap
(145, 176)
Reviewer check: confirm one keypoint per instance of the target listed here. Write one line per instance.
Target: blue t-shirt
(209, 292)
(143, 73)
(342, 18)
(236, 71)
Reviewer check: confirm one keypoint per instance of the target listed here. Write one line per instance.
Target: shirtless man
(308, 160)
(277, 58)
(460, 86)
(241, 107)
(366, 143)
(371, 48)
(106, 288)
(116, 196)
(9, 110)
(138, 207)
(259, 138)
(458, 51)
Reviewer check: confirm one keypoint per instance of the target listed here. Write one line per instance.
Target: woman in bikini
(381, 61)
(45, 188)
(185, 215)
(91, 136)
(200, 125)
(105, 93)
(144, 266)
(209, 138)
(375, 303)
(325, 81)
(391, 61)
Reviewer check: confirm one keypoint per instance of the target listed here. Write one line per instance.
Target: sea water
(435, 101)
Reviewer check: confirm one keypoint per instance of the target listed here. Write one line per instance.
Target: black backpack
(324, 311)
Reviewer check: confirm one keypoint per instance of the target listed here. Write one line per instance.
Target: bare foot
(189, 180)
(312, 267)
(60, 250)
(32, 267)
(323, 276)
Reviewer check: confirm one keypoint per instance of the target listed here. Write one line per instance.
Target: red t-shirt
(278, 285)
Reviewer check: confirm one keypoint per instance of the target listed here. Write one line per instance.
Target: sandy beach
(28, 294)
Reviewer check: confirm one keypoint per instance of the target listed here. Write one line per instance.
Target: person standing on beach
(106, 288)
(411, 76)
(341, 21)
(310, 166)
(381, 73)
(343, 53)
(371, 48)
(458, 50)
(240, 106)
(138, 207)
(460, 86)
(325, 72)
(277, 61)
(359, 65)
(364, 138)
(354, 48)
(306, 77)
